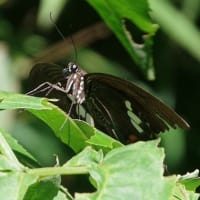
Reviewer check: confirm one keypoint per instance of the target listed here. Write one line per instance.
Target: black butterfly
(118, 107)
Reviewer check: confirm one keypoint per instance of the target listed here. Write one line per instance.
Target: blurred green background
(27, 36)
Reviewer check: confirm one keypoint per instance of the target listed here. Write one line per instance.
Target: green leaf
(61, 196)
(186, 186)
(87, 157)
(180, 192)
(134, 171)
(7, 157)
(75, 133)
(15, 101)
(13, 143)
(13, 180)
(54, 117)
(97, 138)
(123, 172)
(46, 189)
(13, 185)
(114, 13)
(5, 164)
(70, 133)
(190, 180)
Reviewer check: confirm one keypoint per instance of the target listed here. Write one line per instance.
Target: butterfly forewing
(52, 73)
(45, 72)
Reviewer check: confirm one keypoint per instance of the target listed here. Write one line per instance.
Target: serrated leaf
(190, 180)
(134, 171)
(137, 12)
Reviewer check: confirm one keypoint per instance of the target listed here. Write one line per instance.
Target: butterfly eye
(72, 68)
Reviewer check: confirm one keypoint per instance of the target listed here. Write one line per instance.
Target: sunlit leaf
(134, 171)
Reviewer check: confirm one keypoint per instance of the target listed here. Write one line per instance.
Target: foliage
(122, 172)
(137, 13)
(115, 171)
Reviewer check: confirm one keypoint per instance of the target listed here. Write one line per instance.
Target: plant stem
(52, 171)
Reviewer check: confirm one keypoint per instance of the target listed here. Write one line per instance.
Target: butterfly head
(70, 69)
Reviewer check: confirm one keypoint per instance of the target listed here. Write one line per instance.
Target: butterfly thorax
(75, 82)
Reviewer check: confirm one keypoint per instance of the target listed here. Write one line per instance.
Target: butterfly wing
(52, 73)
(45, 72)
(128, 111)
(118, 107)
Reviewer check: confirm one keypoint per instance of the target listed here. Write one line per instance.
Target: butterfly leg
(69, 112)
(49, 87)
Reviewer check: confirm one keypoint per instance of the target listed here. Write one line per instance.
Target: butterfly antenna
(75, 49)
(63, 37)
